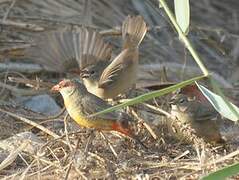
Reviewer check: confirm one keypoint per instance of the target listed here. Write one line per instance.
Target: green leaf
(220, 105)
(150, 95)
(223, 173)
(182, 13)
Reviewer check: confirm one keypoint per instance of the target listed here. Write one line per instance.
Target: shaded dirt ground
(55, 151)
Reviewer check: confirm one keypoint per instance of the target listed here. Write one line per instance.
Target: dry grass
(176, 152)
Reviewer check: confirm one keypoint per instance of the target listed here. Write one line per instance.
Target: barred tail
(133, 31)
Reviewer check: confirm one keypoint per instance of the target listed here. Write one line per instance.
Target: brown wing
(93, 104)
(64, 50)
(206, 112)
(54, 49)
(91, 47)
(118, 66)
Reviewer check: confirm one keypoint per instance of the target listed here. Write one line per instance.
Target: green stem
(184, 38)
(150, 95)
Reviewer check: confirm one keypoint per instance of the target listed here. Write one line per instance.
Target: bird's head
(67, 87)
(93, 72)
(180, 102)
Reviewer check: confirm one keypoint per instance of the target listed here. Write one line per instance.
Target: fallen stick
(22, 25)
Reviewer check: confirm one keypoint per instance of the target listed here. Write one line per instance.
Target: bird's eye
(181, 101)
(92, 72)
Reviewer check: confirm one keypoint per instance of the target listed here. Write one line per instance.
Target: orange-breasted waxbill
(80, 104)
(201, 116)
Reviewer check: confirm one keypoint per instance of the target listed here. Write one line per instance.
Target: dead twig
(157, 109)
(12, 156)
(48, 117)
(22, 92)
(31, 82)
(73, 156)
(145, 124)
(66, 131)
(223, 158)
(47, 131)
(22, 67)
(109, 144)
(8, 10)
(16, 50)
(22, 25)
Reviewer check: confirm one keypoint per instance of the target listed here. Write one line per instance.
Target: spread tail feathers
(133, 31)
(91, 47)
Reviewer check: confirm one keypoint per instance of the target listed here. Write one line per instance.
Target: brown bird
(80, 104)
(202, 117)
(84, 51)
(121, 73)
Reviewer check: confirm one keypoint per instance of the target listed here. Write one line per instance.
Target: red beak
(55, 88)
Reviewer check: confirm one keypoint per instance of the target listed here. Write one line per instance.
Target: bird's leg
(89, 141)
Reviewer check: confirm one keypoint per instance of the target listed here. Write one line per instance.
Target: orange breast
(81, 119)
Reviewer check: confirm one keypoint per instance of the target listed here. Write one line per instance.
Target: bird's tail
(91, 47)
(133, 31)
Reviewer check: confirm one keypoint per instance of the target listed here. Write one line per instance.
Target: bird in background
(80, 104)
(202, 117)
(190, 106)
(85, 52)
(120, 74)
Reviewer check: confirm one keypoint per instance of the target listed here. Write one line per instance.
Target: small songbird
(80, 104)
(121, 73)
(201, 116)
(84, 51)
